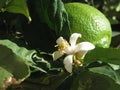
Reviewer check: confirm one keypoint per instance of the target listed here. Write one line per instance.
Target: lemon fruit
(90, 22)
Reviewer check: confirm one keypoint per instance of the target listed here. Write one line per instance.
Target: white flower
(71, 49)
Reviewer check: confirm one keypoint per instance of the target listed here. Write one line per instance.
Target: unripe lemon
(90, 22)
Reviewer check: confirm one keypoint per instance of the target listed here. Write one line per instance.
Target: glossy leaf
(15, 6)
(51, 81)
(4, 3)
(4, 74)
(19, 51)
(53, 13)
(108, 55)
(116, 40)
(107, 71)
(26, 55)
(58, 15)
(15, 61)
(12, 64)
(88, 80)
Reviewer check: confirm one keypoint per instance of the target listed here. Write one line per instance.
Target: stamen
(63, 45)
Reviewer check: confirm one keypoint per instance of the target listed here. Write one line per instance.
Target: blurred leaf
(53, 13)
(15, 6)
(116, 40)
(114, 66)
(108, 55)
(42, 64)
(58, 15)
(4, 74)
(53, 81)
(42, 9)
(47, 81)
(88, 80)
(19, 51)
(12, 64)
(115, 33)
(16, 61)
(3, 3)
(107, 71)
(26, 55)
(118, 7)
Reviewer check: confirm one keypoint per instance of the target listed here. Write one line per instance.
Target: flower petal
(68, 61)
(73, 38)
(81, 54)
(57, 54)
(59, 40)
(84, 46)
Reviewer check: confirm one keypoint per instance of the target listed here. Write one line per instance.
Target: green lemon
(90, 22)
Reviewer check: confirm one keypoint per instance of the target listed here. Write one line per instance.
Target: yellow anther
(63, 45)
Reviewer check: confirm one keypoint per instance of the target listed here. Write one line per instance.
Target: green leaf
(53, 13)
(41, 65)
(116, 40)
(47, 82)
(15, 6)
(3, 3)
(88, 80)
(42, 9)
(13, 64)
(50, 81)
(14, 61)
(26, 55)
(107, 71)
(58, 15)
(108, 55)
(19, 51)
(4, 74)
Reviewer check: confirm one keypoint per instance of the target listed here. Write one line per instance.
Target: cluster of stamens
(62, 45)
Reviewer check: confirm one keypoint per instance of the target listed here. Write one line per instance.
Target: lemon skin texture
(90, 22)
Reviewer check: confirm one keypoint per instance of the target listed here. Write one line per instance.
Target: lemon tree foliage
(14, 6)
(53, 13)
(11, 64)
(16, 61)
(27, 67)
(4, 75)
(108, 55)
(93, 81)
(107, 71)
